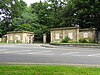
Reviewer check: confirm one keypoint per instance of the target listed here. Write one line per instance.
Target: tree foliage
(10, 9)
(85, 13)
(24, 27)
(42, 16)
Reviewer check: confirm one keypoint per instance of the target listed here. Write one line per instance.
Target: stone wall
(88, 34)
(0, 39)
(15, 37)
(18, 37)
(58, 34)
(74, 33)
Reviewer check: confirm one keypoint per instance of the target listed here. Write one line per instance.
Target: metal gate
(97, 38)
(38, 39)
(48, 38)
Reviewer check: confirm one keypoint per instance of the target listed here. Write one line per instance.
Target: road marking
(33, 53)
(39, 52)
(1, 50)
(94, 54)
(46, 51)
(69, 53)
(79, 55)
(17, 51)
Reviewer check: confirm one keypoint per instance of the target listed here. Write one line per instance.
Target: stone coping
(64, 28)
(20, 32)
(87, 29)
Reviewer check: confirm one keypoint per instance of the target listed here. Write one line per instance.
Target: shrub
(83, 41)
(65, 40)
(92, 41)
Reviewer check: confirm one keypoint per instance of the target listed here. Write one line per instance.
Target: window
(18, 37)
(24, 39)
(70, 35)
(57, 36)
(85, 35)
(11, 37)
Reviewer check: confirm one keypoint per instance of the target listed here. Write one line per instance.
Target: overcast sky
(32, 1)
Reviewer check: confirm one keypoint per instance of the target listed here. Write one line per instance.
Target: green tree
(10, 9)
(43, 16)
(83, 13)
(24, 27)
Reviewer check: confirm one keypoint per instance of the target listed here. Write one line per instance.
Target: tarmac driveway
(39, 54)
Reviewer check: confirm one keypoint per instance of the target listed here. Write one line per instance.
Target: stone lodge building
(18, 37)
(74, 33)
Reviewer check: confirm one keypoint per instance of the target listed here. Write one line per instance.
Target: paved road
(37, 54)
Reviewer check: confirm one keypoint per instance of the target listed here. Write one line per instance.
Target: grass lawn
(47, 70)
